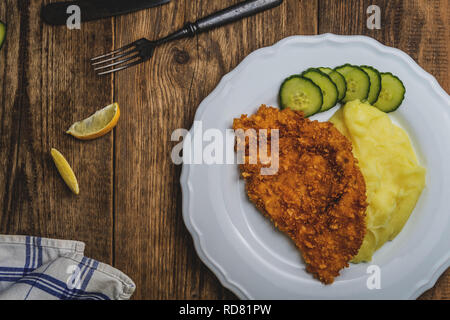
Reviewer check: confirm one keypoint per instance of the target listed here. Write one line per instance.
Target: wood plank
(420, 28)
(133, 218)
(152, 243)
(45, 85)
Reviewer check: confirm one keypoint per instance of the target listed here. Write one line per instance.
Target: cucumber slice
(338, 80)
(375, 83)
(2, 33)
(300, 94)
(358, 82)
(392, 93)
(329, 90)
(325, 70)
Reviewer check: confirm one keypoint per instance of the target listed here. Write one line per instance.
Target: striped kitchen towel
(33, 268)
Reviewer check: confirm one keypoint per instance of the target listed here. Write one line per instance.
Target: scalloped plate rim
(186, 186)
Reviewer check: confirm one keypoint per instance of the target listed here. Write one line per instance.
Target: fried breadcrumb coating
(318, 195)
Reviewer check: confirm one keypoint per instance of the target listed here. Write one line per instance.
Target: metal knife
(56, 13)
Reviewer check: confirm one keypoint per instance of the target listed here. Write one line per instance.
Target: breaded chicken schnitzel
(318, 195)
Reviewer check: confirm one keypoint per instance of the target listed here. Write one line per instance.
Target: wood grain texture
(42, 94)
(129, 210)
(420, 28)
(152, 244)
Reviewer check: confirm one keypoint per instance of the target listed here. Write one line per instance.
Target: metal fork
(141, 50)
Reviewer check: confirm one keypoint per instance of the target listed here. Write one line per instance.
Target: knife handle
(56, 13)
(220, 18)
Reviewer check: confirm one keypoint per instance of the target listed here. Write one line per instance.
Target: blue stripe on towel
(13, 269)
(81, 265)
(89, 275)
(56, 285)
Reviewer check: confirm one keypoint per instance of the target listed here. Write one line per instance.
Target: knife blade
(56, 13)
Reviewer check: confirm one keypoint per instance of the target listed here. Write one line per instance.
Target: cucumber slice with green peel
(300, 94)
(375, 83)
(392, 93)
(358, 82)
(2, 33)
(325, 70)
(329, 90)
(338, 80)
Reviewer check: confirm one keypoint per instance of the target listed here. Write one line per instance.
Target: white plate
(244, 250)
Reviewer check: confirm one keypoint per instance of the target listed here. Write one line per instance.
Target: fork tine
(120, 68)
(114, 52)
(115, 57)
(117, 62)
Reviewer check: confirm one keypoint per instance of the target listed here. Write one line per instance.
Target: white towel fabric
(33, 268)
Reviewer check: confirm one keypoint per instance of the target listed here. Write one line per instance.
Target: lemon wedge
(65, 171)
(97, 125)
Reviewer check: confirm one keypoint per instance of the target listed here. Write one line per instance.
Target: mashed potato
(394, 179)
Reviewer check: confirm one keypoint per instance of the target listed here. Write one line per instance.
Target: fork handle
(234, 13)
(220, 18)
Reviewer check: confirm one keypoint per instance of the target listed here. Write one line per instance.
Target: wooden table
(129, 210)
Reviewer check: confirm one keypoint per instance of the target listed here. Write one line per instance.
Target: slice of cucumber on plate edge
(358, 82)
(300, 94)
(327, 86)
(375, 83)
(392, 93)
(338, 80)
